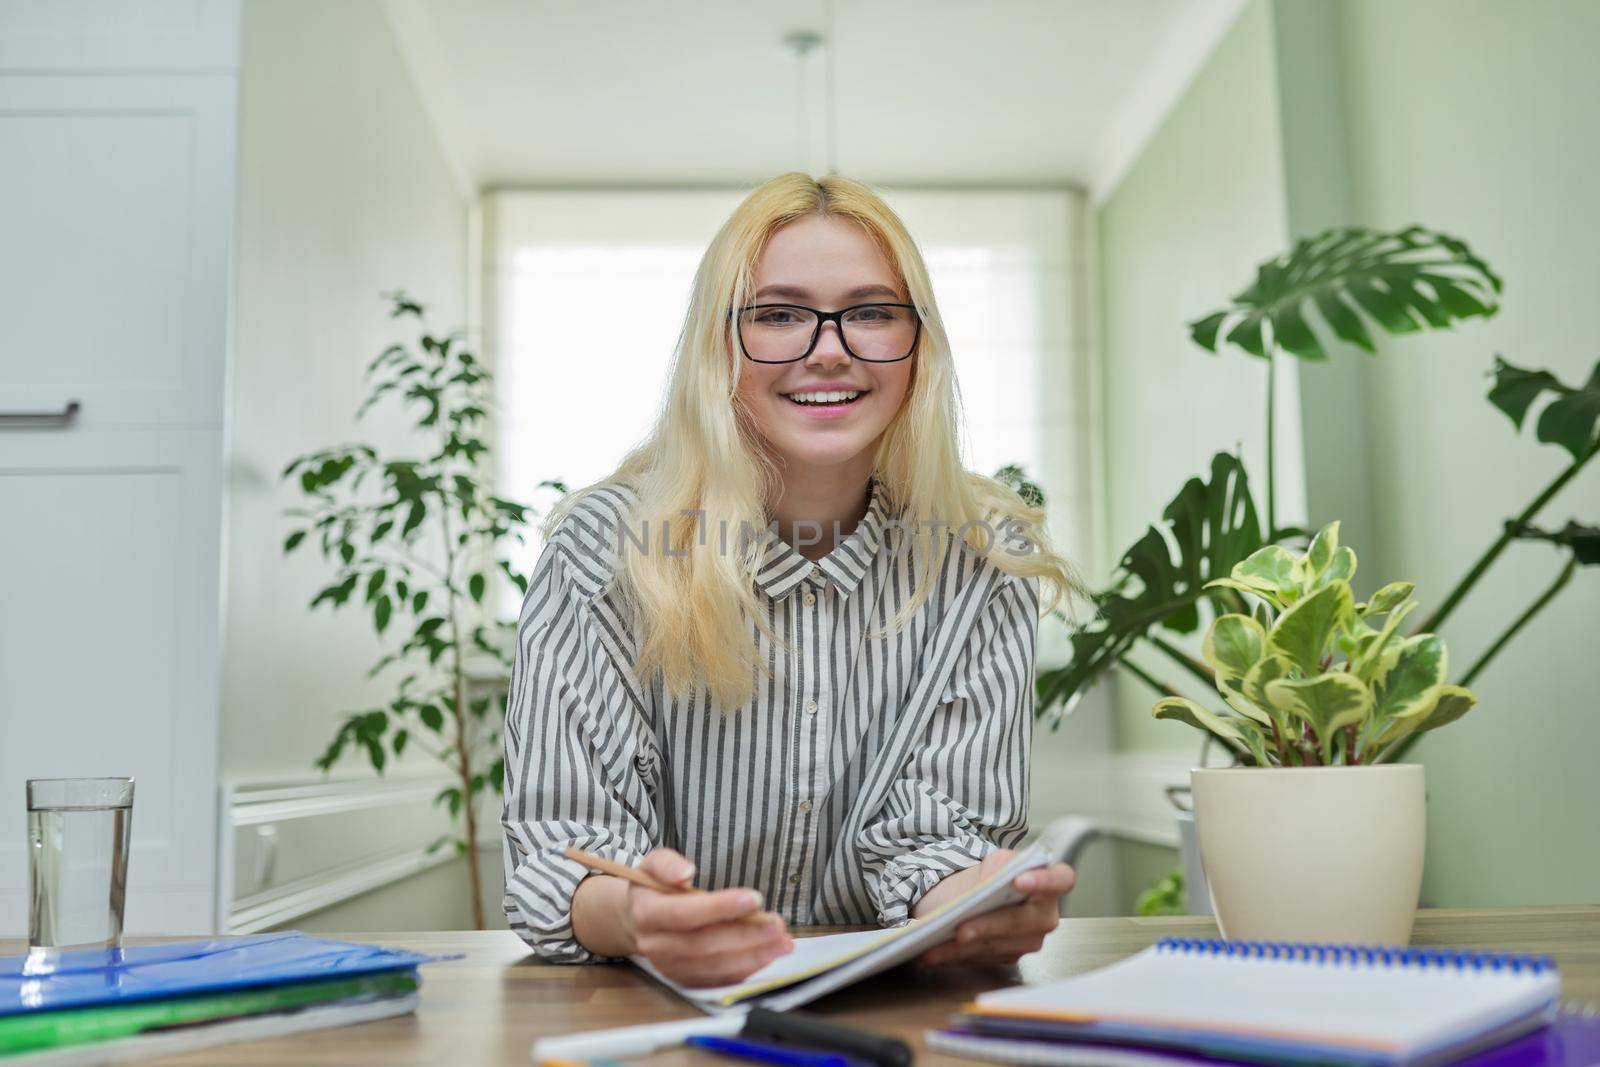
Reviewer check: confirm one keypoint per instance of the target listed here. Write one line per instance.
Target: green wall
(1180, 233)
(1480, 119)
(1473, 117)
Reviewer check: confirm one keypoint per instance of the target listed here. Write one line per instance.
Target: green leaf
(1206, 529)
(381, 610)
(399, 741)
(1570, 420)
(1454, 701)
(1413, 684)
(1516, 388)
(1233, 732)
(1374, 656)
(431, 717)
(1305, 632)
(1320, 554)
(475, 585)
(1341, 568)
(292, 542)
(375, 583)
(1400, 280)
(1582, 541)
(1329, 702)
(1270, 669)
(1233, 645)
(1387, 599)
(516, 579)
(1232, 691)
(418, 602)
(1271, 572)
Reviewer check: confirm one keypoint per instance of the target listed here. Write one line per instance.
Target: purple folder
(1572, 1040)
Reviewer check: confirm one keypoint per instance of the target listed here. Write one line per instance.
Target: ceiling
(943, 91)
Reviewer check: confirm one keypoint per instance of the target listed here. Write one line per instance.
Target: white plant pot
(1312, 853)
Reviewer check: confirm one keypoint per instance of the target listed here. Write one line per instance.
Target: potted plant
(1318, 836)
(418, 541)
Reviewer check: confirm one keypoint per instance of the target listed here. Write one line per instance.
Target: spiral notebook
(1286, 1003)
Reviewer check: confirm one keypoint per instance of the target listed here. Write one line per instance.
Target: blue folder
(145, 972)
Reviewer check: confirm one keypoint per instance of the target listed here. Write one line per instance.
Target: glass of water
(78, 835)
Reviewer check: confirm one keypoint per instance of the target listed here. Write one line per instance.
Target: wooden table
(488, 1007)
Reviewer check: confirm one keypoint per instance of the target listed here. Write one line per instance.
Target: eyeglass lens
(882, 332)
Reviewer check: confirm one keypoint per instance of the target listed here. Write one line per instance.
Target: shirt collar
(782, 568)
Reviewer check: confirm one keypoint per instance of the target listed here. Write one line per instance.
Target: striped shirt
(864, 770)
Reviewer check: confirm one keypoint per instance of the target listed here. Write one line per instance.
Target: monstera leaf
(1207, 528)
(1570, 420)
(1403, 281)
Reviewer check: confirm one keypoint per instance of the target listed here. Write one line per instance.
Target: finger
(1054, 880)
(667, 866)
(716, 943)
(1005, 950)
(724, 969)
(691, 911)
(941, 955)
(1029, 916)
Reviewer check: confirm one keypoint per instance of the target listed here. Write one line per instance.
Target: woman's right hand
(700, 939)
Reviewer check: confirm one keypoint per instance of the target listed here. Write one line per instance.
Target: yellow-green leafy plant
(1313, 677)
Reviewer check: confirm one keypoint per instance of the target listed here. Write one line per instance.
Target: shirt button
(794, 879)
(816, 571)
(811, 707)
(805, 805)
(810, 599)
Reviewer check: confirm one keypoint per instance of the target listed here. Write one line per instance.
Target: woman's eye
(776, 318)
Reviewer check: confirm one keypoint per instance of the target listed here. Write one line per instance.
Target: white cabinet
(116, 215)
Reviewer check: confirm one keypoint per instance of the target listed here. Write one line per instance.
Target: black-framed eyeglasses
(785, 333)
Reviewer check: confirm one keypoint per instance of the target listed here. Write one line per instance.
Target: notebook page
(1390, 1008)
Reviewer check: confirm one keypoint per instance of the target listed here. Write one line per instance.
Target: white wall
(344, 193)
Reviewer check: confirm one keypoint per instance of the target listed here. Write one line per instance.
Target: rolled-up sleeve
(964, 789)
(574, 753)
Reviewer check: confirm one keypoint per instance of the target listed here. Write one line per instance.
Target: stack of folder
(110, 1006)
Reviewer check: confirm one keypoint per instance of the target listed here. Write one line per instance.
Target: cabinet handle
(63, 417)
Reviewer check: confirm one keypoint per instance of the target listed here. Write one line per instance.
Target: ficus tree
(417, 542)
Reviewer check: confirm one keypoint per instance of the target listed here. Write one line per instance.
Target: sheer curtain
(586, 292)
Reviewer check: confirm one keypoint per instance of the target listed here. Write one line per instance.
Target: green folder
(77, 1026)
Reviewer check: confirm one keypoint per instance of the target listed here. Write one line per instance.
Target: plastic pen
(762, 1052)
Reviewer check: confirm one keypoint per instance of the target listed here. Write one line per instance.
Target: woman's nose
(829, 349)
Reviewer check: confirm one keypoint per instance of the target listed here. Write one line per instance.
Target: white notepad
(821, 964)
(1256, 1000)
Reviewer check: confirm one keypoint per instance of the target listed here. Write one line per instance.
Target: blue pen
(762, 1052)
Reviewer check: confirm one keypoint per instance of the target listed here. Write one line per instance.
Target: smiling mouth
(836, 398)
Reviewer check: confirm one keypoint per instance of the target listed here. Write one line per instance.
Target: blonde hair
(706, 457)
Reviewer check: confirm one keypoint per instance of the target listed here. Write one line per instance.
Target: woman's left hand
(1002, 935)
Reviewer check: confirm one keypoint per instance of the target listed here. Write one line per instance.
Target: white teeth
(824, 398)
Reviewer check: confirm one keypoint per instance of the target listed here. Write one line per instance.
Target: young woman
(785, 652)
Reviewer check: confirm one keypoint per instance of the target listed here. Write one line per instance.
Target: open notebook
(1286, 1003)
(821, 964)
